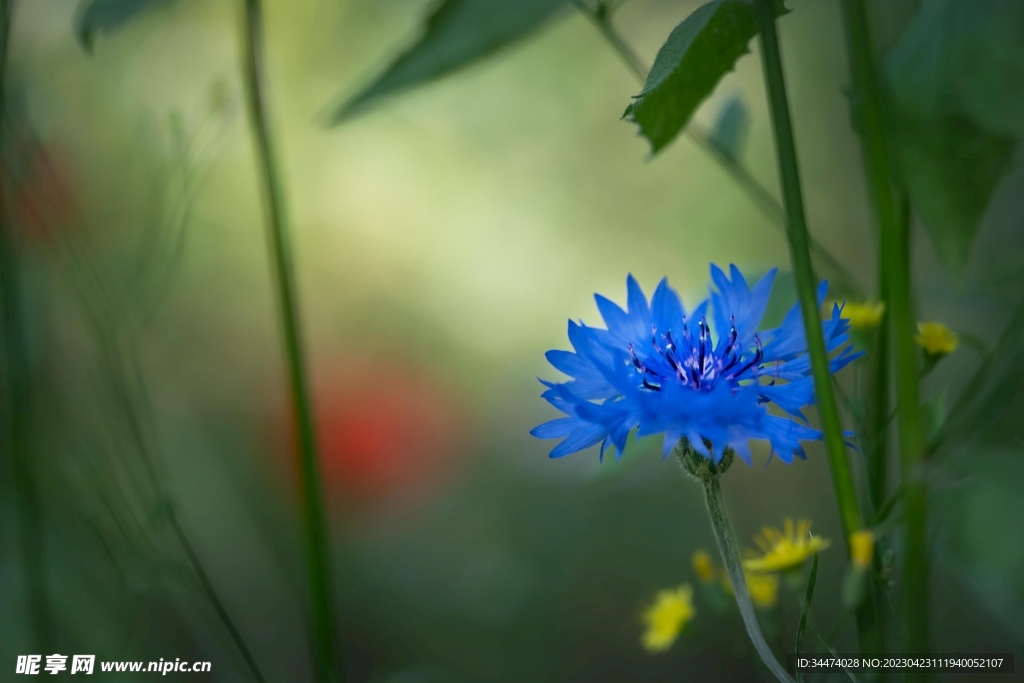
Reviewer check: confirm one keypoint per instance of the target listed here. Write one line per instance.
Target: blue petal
(667, 310)
(639, 312)
(588, 343)
(735, 301)
(697, 443)
(555, 429)
(670, 441)
(570, 363)
(615, 318)
(585, 437)
(788, 339)
(742, 449)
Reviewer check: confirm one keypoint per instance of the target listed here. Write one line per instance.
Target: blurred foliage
(956, 80)
(439, 242)
(106, 16)
(730, 129)
(973, 499)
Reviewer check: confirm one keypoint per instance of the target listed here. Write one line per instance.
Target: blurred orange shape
(382, 432)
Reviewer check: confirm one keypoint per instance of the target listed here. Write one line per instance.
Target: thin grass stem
(327, 665)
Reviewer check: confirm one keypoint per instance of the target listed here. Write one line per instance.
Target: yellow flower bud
(936, 339)
(862, 548)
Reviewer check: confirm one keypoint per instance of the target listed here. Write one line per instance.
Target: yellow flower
(665, 619)
(862, 548)
(936, 339)
(863, 316)
(704, 566)
(784, 551)
(763, 588)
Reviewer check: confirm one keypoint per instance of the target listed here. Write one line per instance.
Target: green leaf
(698, 52)
(950, 168)
(934, 413)
(988, 410)
(889, 19)
(457, 33)
(806, 608)
(107, 16)
(975, 543)
(730, 129)
(956, 83)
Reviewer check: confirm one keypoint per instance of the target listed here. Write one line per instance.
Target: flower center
(696, 363)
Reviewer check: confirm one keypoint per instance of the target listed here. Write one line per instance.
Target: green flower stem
(757, 192)
(895, 264)
(806, 281)
(730, 552)
(17, 400)
(327, 664)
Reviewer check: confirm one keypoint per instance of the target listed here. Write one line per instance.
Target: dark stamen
(758, 357)
(703, 331)
(732, 335)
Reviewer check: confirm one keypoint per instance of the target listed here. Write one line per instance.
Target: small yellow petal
(783, 551)
(862, 548)
(936, 339)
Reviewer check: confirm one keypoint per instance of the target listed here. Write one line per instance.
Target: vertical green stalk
(876, 167)
(806, 281)
(873, 634)
(895, 247)
(18, 393)
(876, 416)
(326, 660)
(729, 549)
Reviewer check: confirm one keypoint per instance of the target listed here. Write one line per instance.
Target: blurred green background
(442, 239)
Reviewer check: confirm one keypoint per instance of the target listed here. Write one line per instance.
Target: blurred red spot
(384, 431)
(39, 179)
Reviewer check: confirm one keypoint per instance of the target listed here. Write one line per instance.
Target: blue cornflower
(659, 370)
